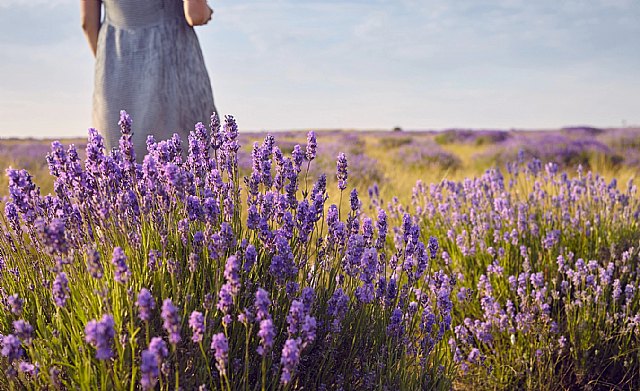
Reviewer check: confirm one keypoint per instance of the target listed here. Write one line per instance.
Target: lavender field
(331, 260)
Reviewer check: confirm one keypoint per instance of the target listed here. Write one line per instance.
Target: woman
(149, 63)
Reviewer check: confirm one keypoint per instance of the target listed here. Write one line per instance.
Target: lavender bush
(179, 269)
(568, 152)
(163, 271)
(426, 155)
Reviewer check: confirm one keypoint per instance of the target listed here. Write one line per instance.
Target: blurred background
(356, 64)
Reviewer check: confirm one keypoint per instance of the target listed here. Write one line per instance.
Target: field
(422, 260)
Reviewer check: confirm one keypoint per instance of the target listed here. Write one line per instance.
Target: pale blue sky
(374, 64)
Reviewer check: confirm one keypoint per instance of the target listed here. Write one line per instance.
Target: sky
(356, 64)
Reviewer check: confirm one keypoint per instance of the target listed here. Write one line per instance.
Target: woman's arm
(197, 12)
(90, 16)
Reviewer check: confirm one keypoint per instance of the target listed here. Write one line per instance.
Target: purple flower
(152, 262)
(433, 247)
(231, 269)
(312, 145)
(119, 259)
(337, 308)
(250, 257)
(11, 211)
(194, 208)
(100, 334)
(295, 317)
(474, 356)
(382, 229)
(145, 304)
(15, 303)
(552, 238)
(282, 264)
(216, 135)
(225, 298)
(253, 218)
(307, 297)
(290, 358)
(196, 322)
(341, 167)
(149, 370)
(126, 144)
(266, 333)
(365, 293)
(61, 289)
(28, 368)
(298, 157)
(11, 347)
(308, 330)
(52, 235)
(220, 346)
(24, 193)
(159, 348)
(171, 319)
(629, 292)
(262, 304)
(353, 200)
(395, 327)
(94, 266)
(23, 330)
(125, 122)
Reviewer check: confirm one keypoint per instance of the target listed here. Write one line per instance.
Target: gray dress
(149, 63)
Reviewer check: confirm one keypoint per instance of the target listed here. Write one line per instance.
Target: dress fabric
(149, 63)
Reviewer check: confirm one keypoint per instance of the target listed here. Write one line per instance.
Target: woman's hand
(197, 12)
(90, 17)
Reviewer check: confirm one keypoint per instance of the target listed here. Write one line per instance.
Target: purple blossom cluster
(100, 334)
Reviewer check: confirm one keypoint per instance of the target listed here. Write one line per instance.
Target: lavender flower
(312, 145)
(196, 322)
(15, 304)
(262, 304)
(94, 266)
(433, 247)
(354, 201)
(23, 330)
(342, 171)
(145, 304)
(158, 347)
(225, 298)
(266, 333)
(126, 144)
(61, 289)
(308, 330)
(149, 370)
(298, 157)
(11, 348)
(122, 272)
(28, 368)
(220, 346)
(250, 257)
(171, 319)
(337, 308)
(100, 334)
(231, 270)
(395, 327)
(295, 317)
(290, 359)
(53, 236)
(382, 229)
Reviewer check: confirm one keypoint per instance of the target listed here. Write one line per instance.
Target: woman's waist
(141, 21)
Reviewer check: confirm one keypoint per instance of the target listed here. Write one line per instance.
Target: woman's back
(137, 14)
(149, 63)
